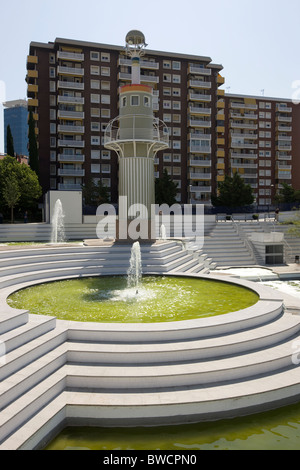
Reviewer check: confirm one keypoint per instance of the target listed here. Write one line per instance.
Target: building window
(95, 84)
(52, 156)
(105, 113)
(95, 168)
(105, 99)
(52, 72)
(95, 140)
(167, 77)
(167, 64)
(95, 154)
(52, 128)
(105, 168)
(147, 101)
(105, 154)
(95, 126)
(95, 112)
(124, 101)
(106, 182)
(176, 79)
(52, 86)
(52, 114)
(95, 55)
(95, 98)
(95, 70)
(105, 56)
(105, 71)
(52, 58)
(176, 65)
(52, 183)
(135, 101)
(105, 85)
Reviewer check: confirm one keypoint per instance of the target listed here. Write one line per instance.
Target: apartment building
(262, 141)
(73, 91)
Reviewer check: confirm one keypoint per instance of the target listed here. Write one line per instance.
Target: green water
(159, 299)
(274, 430)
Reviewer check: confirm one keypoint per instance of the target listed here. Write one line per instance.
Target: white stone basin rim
(268, 307)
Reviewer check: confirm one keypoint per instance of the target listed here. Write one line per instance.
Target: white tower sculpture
(136, 135)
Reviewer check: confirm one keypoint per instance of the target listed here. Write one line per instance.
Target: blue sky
(256, 41)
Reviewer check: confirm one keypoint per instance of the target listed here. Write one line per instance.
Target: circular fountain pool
(157, 299)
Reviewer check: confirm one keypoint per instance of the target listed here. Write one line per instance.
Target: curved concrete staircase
(56, 373)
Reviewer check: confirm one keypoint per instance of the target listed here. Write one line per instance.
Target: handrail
(244, 238)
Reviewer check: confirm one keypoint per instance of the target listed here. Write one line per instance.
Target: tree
(287, 194)
(10, 150)
(26, 179)
(165, 190)
(95, 194)
(32, 145)
(11, 194)
(233, 192)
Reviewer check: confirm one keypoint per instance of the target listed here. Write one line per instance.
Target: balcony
(203, 111)
(199, 123)
(244, 165)
(74, 56)
(220, 80)
(248, 156)
(284, 147)
(283, 118)
(145, 64)
(70, 85)
(32, 102)
(282, 166)
(200, 176)
(200, 163)
(195, 135)
(283, 109)
(197, 148)
(286, 138)
(244, 135)
(61, 70)
(69, 187)
(199, 84)
(199, 70)
(283, 156)
(201, 189)
(236, 145)
(221, 104)
(70, 172)
(70, 129)
(242, 125)
(243, 106)
(70, 158)
(70, 100)
(61, 114)
(281, 128)
(199, 97)
(32, 74)
(32, 60)
(70, 143)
